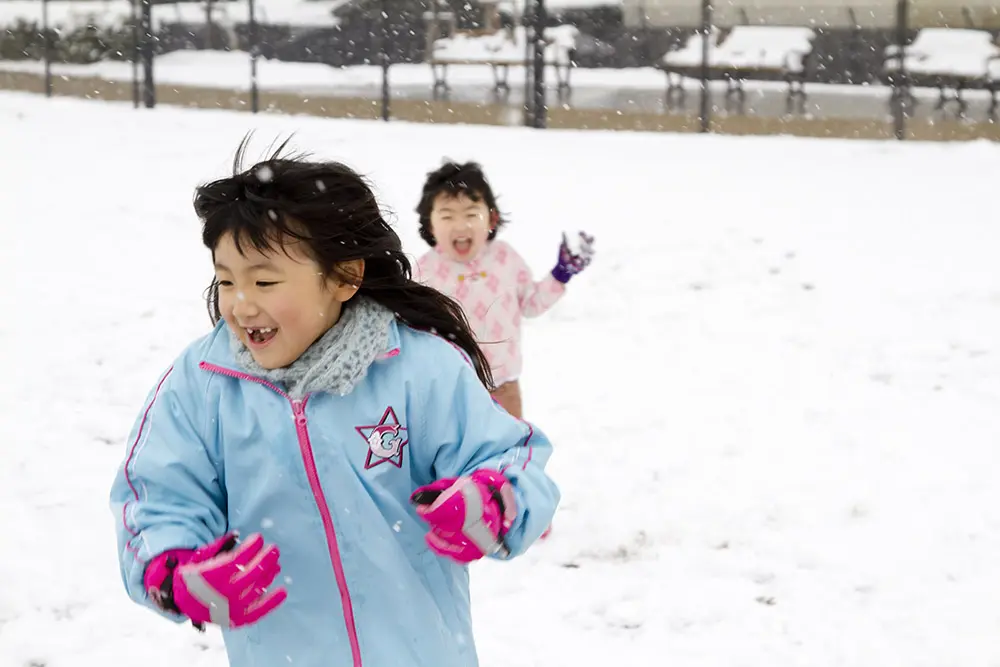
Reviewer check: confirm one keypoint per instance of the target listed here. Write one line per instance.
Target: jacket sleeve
(464, 430)
(535, 298)
(167, 493)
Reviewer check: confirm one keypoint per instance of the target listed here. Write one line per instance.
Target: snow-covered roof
(69, 13)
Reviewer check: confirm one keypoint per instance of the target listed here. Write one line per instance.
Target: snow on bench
(946, 52)
(504, 47)
(500, 50)
(748, 48)
(778, 50)
(949, 59)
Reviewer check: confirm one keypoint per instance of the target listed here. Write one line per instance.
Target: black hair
(454, 179)
(333, 210)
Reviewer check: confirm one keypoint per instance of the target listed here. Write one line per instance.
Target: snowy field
(231, 69)
(774, 396)
(627, 90)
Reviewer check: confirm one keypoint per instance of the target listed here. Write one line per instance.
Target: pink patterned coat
(496, 290)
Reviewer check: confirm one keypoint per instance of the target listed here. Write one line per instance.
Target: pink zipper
(305, 446)
(299, 408)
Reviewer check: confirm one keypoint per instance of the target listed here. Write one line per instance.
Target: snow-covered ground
(231, 69)
(602, 88)
(773, 396)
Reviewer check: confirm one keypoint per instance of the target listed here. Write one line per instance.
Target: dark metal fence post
(645, 55)
(148, 85)
(705, 111)
(528, 25)
(900, 82)
(383, 54)
(252, 39)
(210, 24)
(47, 48)
(539, 112)
(135, 55)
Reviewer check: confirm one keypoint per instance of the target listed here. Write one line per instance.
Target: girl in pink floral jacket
(459, 219)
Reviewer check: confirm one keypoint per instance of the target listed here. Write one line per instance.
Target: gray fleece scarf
(338, 360)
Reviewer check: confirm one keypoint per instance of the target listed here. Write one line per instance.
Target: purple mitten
(469, 516)
(573, 260)
(222, 583)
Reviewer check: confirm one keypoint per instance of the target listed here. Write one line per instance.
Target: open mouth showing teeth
(262, 335)
(462, 244)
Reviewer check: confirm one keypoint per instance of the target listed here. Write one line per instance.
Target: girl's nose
(244, 307)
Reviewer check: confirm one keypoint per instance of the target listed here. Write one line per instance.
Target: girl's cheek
(282, 311)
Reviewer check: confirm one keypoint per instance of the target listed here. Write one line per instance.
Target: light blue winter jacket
(214, 449)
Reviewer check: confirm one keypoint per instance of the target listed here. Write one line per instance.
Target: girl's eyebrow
(467, 207)
(253, 267)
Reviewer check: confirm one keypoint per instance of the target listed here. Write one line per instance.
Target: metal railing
(704, 76)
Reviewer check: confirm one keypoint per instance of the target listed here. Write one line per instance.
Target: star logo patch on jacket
(385, 440)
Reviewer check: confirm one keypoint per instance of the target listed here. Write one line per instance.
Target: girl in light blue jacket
(315, 474)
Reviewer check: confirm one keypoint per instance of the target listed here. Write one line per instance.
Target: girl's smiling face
(278, 303)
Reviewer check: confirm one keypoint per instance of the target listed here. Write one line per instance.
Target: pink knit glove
(469, 516)
(222, 583)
